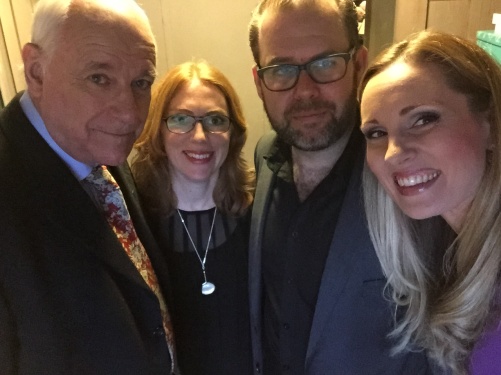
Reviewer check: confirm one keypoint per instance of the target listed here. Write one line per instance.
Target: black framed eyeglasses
(181, 123)
(282, 77)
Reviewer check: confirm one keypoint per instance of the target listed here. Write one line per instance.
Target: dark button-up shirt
(296, 243)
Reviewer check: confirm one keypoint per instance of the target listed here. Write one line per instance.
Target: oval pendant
(208, 288)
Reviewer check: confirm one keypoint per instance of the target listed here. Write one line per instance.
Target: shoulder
(12, 121)
(265, 143)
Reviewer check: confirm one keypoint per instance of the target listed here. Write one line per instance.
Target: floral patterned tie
(112, 201)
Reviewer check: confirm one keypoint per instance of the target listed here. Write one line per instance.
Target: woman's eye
(426, 119)
(182, 119)
(215, 120)
(374, 134)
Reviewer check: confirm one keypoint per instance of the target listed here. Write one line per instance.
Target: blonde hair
(234, 189)
(447, 283)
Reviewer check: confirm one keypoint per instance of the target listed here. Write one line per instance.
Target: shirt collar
(279, 158)
(278, 155)
(80, 170)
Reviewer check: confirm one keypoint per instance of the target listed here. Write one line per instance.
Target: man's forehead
(299, 31)
(297, 21)
(88, 30)
(105, 15)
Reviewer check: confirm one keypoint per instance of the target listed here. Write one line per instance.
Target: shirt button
(286, 367)
(294, 234)
(258, 368)
(158, 332)
(286, 326)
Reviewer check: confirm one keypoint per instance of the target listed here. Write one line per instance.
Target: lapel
(350, 242)
(123, 176)
(57, 200)
(265, 179)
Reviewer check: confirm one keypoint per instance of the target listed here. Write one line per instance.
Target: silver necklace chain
(207, 287)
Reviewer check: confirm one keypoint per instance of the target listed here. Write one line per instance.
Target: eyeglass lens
(182, 123)
(324, 70)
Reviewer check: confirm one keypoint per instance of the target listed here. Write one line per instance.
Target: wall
(15, 20)
(393, 20)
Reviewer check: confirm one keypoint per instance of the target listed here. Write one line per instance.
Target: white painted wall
(15, 20)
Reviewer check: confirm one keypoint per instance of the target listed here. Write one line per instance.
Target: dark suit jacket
(71, 301)
(352, 317)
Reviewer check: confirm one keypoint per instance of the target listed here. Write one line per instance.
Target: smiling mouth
(416, 180)
(198, 156)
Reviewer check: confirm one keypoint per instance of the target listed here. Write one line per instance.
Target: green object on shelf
(491, 43)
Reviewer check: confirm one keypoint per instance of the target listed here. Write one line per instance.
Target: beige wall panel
(480, 17)
(12, 17)
(23, 15)
(410, 17)
(449, 15)
(379, 25)
(7, 86)
(155, 11)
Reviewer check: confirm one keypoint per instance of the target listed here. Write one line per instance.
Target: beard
(326, 133)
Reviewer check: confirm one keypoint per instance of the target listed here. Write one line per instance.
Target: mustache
(308, 105)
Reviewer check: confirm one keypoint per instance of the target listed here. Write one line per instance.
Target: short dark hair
(346, 9)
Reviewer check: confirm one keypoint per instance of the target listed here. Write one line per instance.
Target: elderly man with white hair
(82, 287)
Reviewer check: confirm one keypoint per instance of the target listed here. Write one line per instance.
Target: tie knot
(102, 179)
(108, 193)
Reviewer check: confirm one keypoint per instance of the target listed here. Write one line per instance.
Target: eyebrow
(406, 110)
(368, 122)
(152, 72)
(92, 65)
(189, 112)
(288, 60)
(402, 112)
(96, 65)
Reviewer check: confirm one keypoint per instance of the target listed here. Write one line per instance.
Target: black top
(211, 331)
(296, 241)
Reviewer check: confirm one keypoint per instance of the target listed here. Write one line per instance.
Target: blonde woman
(431, 116)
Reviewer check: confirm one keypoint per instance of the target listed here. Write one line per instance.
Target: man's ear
(360, 60)
(257, 82)
(33, 68)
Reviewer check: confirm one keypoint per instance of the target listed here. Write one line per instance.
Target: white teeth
(416, 180)
(198, 156)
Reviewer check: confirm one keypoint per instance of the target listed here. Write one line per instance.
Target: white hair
(50, 16)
